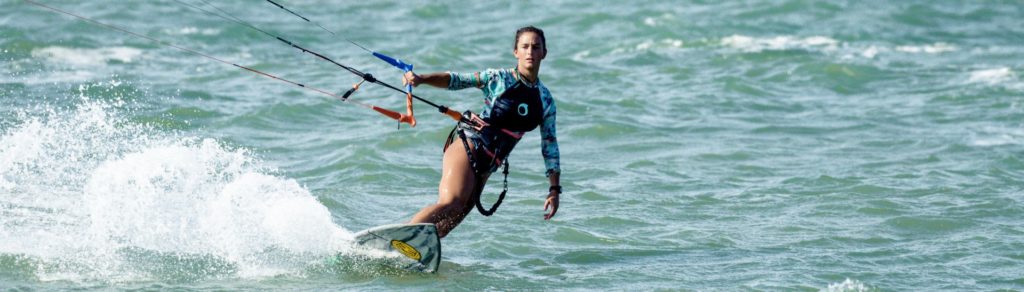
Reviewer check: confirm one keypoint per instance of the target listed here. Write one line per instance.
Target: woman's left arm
(549, 149)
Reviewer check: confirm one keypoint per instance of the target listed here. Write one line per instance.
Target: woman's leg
(455, 192)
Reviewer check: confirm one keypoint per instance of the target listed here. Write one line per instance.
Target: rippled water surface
(766, 145)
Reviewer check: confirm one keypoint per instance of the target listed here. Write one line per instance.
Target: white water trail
(88, 196)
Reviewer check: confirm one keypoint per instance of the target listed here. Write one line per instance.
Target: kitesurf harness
(516, 111)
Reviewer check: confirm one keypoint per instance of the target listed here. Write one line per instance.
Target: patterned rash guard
(494, 82)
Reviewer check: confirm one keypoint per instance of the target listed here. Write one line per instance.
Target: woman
(515, 102)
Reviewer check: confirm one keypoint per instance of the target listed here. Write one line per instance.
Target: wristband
(555, 189)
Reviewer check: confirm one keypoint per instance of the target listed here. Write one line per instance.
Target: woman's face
(529, 50)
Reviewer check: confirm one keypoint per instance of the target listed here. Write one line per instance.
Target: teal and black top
(494, 83)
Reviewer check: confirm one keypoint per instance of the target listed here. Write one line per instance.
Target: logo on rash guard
(524, 109)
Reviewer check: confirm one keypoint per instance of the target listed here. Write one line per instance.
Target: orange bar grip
(397, 116)
(389, 113)
(453, 114)
(409, 118)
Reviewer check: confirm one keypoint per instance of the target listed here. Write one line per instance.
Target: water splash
(86, 195)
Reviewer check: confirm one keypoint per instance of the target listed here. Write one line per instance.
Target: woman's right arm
(439, 79)
(454, 80)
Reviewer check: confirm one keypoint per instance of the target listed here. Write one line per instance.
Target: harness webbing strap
(477, 172)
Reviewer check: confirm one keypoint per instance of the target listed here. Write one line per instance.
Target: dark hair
(532, 29)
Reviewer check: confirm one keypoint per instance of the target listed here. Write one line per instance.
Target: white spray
(86, 195)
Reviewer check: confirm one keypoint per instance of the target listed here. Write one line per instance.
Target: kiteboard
(416, 245)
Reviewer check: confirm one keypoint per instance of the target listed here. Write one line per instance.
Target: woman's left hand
(551, 202)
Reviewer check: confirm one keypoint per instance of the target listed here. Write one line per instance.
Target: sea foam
(90, 196)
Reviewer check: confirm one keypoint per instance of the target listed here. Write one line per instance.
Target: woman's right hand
(411, 78)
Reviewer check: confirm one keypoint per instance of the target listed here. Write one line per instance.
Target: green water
(747, 145)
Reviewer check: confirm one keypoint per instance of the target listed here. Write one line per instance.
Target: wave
(191, 30)
(847, 286)
(750, 44)
(928, 49)
(991, 76)
(754, 44)
(82, 57)
(998, 136)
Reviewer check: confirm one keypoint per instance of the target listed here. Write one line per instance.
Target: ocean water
(744, 145)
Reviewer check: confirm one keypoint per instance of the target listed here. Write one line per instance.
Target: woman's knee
(454, 200)
(456, 192)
